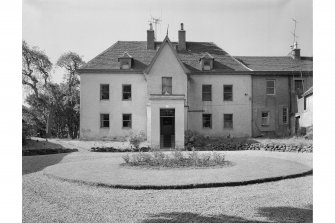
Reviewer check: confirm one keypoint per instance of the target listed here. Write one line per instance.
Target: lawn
(49, 200)
(246, 166)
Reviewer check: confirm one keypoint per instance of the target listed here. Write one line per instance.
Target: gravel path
(50, 200)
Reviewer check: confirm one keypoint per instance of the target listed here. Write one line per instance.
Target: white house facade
(163, 89)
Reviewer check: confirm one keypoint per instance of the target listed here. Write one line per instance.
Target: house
(165, 88)
(304, 115)
(277, 83)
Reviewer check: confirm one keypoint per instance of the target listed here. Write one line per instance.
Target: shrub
(175, 159)
(136, 139)
(193, 139)
(126, 158)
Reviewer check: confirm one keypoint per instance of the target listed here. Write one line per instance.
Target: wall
(240, 107)
(91, 106)
(272, 103)
(306, 116)
(285, 97)
(167, 65)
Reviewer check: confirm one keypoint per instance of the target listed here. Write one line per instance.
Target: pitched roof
(277, 63)
(206, 56)
(308, 92)
(126, 55)
(143, 56)
(167, 42)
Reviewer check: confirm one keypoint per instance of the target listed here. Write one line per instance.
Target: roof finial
(167, 30)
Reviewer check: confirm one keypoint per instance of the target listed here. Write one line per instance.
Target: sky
(240, 27)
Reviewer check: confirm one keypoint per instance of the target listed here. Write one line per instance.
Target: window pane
(228, 120)
(166, 85)
(270, 87)
(126, 120)
(104, 91)
(265, 118)
(298, 87)
(207, 121)
(228, 92)
(206, 92)
(126, 92)
(285, 115)
(104, 120)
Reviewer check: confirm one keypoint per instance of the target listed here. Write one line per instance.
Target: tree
(70, 62)
(35, 74)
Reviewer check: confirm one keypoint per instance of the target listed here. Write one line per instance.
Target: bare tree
(36, 67)
(70, 62)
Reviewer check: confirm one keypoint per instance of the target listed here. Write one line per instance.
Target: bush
(136, 139)
(193, 139)
(117, 150)
(175, 159)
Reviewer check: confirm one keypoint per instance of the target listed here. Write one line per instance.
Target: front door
(167, 129)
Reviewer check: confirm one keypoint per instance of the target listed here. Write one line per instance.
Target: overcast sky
(240, 27)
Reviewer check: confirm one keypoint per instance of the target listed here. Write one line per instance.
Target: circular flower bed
(176, 159)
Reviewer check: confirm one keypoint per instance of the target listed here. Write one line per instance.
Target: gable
(166, 61)
(166, 64)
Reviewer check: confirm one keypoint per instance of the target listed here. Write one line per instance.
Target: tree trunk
(49, 122)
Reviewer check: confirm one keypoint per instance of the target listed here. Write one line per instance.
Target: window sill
(126, 128)
(104, 127)
(104, 99)
(126, 99)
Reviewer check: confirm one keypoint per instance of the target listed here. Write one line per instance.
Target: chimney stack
(295, 51)
(150, 38)
(181, 38)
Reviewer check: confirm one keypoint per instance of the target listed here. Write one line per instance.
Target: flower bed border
(35, 152)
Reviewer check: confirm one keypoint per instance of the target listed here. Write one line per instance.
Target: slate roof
(308, 92)
(142, 56)
(286, 63)
(223, 62)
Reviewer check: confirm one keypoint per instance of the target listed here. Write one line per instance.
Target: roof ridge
(243, 65)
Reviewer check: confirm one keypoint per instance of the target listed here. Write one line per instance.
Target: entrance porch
(166, 121)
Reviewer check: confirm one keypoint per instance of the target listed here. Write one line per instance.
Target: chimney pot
(181, 38)
(295, 51)
(150, 38)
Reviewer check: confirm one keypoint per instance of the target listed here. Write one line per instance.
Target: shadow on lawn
(272, 214)
(32, 164)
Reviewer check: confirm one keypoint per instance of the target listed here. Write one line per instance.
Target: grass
(50, 200)
(246, 166)
(39, 144)
(175, 159)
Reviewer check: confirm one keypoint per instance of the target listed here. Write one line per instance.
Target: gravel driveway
(50, 200)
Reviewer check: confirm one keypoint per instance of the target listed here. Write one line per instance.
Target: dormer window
(125, 61)
(206, 62)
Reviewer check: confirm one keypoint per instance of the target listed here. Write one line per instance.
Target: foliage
(135, 139)
(193, 139)
(54, 107)
(175, 159)
(118, 150)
